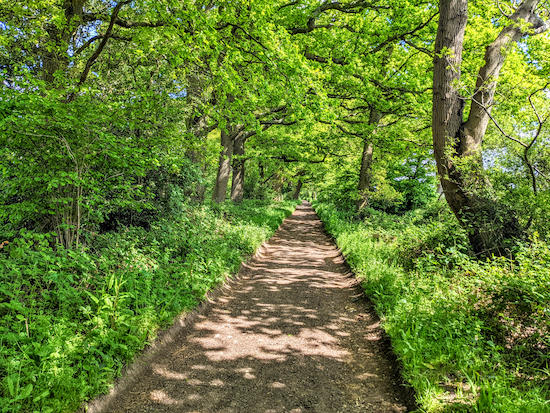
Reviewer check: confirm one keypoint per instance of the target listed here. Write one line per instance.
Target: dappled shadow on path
(291, 334)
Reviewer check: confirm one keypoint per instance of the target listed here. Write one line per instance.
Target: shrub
(71, 319)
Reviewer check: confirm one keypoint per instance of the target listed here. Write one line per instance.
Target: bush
(71, 319)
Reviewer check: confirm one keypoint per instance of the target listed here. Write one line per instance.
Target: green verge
(472, 336)
(70, 320)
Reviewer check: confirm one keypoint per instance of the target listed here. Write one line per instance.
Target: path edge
(168, 335)
(385, 340)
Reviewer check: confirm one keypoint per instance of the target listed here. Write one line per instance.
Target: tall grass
(472, 336)
(70, 320)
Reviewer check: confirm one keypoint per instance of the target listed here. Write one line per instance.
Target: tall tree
(457, 138)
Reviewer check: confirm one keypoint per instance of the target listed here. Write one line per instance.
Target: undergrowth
(473, 336)
(72, 319)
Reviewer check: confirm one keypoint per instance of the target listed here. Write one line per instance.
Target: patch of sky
(491, 158)
(180, 94)
(85, 34)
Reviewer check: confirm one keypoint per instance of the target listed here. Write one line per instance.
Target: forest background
(420, 130)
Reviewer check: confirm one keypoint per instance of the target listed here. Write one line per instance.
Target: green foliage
(515, 190)
(414, 178)
(113, 131)
(66, 168)
(340, 187)
(472, 336)
(72, 319)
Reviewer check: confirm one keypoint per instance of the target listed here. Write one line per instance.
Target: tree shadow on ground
(289, 335)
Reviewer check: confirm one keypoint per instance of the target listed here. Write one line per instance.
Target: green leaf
(41, 396)
(93, 297)
(11, 385)
(26, 391)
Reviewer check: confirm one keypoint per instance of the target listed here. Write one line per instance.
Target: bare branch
(101, 46)
(498, 126)
(420, 49)
(532, 168)
(280, 121)
(288, 159)
(502, 11)
(352, 7)
(292, 3)
(401, 36)
(99, 36)
(320, 59)
(91, 17)
(237, 27)
(271, 111)
(131, 25)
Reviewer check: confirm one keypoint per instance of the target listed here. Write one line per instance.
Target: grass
(72, 319)
(472, 336)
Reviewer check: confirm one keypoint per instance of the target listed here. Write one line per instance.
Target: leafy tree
(458, 136)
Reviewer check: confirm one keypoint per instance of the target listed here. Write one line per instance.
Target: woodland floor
(291, 333)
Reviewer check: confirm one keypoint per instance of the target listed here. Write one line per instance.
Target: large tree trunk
(54, 52)
(237, 185)
(298, 189)
(366, 160)
(466, 189)
(224, 167)
(447, 111)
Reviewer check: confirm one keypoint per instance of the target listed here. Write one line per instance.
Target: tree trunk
(466, 189)
(366, 161)
(237, 185)
(297, 190)
(200, 188)
(197, 124)
(224, 167)
(54, 54)
(261, 167)
(278, 183)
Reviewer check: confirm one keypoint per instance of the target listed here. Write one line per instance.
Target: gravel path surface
(292, 333)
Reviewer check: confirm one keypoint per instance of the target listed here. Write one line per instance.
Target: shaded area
(291, 334)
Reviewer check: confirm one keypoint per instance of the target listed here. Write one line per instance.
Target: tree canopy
(101, 100)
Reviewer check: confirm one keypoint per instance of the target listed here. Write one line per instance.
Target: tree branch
(99, 36)
(532, 168)
(320, 59)
(90, 17)
(352, 7)
(401, 36)
(101, 46)
(420, 49)
(287, 159)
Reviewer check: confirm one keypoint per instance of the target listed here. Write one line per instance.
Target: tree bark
(237, 185)
(54, 54)
(466, 189)
(366, 160)
(297, 190)
(224, 167)
(448, 107)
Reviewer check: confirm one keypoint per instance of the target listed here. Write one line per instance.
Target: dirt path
(291, 334)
